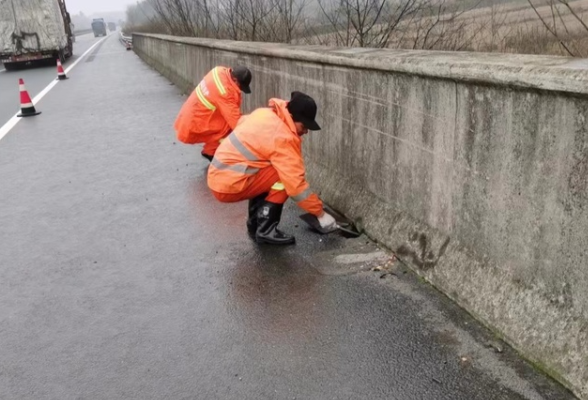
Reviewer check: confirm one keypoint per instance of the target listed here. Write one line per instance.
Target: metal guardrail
(127, 41)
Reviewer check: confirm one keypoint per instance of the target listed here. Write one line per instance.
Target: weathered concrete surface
(123, 278)
(473, 168)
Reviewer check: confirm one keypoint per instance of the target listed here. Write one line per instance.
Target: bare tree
(288, 15)
(185, 17)
(232, 24)
(412, 24)
(367, 23)
(437, 24)
(497, 23)
(255, 13)
(247, 19)
(557, 26)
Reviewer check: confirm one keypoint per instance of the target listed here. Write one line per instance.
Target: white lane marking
(14, 120)
(2, 70)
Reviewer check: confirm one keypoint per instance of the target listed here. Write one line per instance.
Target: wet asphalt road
(36, 79)
(122, 277)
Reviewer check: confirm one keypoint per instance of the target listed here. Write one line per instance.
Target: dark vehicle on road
(99, 27)
(112, 26)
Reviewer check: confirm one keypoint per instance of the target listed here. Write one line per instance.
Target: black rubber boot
(254, 205)
(268, 218)
(207, 156)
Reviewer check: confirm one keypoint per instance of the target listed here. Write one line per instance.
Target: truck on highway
(34, 30)
(99, 27)
(112, 26)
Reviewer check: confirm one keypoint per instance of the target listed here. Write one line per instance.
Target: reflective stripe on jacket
(266, 137)
(212, 110)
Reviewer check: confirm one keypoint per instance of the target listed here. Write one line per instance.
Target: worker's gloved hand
(327, 222)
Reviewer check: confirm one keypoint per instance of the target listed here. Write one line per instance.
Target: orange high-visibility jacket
(266, 137)
(212, 110)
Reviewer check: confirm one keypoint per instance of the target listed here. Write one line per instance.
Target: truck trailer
(99, 27)
(33, 30)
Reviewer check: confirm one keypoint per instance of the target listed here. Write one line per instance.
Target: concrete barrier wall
(473, 168)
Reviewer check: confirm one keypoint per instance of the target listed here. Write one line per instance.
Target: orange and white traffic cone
(27, 109)
(60, 72)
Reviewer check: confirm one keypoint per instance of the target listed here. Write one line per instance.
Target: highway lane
(36, 79)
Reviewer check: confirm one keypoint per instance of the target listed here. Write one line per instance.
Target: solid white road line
(14, 120)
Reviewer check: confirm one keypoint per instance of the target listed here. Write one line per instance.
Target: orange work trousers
(265, 181)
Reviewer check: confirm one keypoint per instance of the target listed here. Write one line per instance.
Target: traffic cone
(60, 72)
(27, 109)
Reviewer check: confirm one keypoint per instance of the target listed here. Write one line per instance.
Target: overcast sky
(93, 6)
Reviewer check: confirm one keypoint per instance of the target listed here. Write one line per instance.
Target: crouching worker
(213, 109)
(261, 161)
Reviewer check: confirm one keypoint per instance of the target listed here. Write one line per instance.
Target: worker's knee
(226, 197)
(277, 196)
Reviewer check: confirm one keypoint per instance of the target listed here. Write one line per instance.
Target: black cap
(303, 109)
(243, 77)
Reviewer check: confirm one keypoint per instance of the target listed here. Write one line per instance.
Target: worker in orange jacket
(261, 161)
(213, 109)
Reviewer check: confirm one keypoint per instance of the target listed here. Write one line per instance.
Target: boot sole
(284, 243)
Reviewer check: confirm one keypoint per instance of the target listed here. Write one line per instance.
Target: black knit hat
(303, 109)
